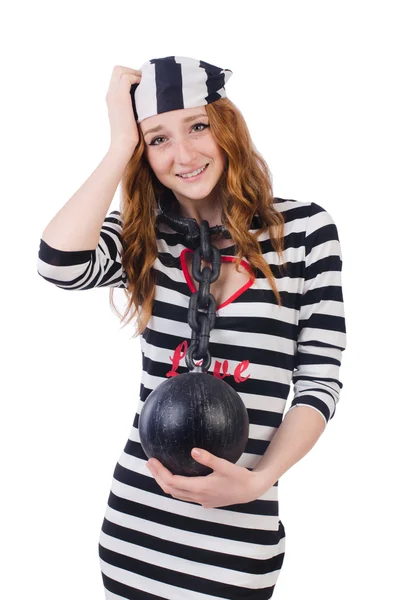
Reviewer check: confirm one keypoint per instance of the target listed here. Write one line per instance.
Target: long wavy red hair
(245, 190)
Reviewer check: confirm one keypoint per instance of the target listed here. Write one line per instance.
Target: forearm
(77, 225)
(297, 434)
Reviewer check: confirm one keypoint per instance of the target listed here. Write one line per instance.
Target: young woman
(182, 151)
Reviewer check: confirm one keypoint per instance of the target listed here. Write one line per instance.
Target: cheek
(223, 159)
(217, 151)
(157, 162)
(221, 156)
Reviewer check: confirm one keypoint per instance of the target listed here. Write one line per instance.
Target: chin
(195, 195)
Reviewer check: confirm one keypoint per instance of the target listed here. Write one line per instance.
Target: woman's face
(182, 143)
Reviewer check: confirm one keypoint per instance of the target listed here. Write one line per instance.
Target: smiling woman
(186, 153)
(279, 320)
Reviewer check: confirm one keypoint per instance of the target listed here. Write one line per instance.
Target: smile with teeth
(193, 173)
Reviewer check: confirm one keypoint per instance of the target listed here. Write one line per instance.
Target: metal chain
(202, 300)
(202, 322)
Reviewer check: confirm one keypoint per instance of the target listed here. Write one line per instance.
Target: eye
(154, 139)
(161, 137)
(201, 125)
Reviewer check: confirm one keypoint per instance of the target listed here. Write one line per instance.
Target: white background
(315, 82)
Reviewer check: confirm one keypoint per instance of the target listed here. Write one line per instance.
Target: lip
(195, 177)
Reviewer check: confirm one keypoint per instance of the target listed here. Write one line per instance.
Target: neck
(202, 210)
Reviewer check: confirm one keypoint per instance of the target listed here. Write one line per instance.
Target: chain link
(202, 300)
(202, 304)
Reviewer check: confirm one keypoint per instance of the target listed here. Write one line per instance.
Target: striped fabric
(176, 82)
(151, 545)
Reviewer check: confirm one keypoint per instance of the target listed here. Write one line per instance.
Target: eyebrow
(186, 120)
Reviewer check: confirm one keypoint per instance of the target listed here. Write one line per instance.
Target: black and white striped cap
(176, 82)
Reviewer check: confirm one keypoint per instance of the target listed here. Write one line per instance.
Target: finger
(119, 71)
(175, 493)
(168, 479)
(186, 497)
(166, 487)
(190, 485)
(180, 484)
(123, 76)
(122, 69)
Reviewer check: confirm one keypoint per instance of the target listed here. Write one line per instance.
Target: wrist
(262, 481)
(121, 151)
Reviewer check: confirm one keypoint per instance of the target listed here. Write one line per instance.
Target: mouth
(194, 177)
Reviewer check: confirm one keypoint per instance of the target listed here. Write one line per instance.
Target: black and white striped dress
(152, 545)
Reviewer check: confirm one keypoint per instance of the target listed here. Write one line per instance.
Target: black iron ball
(190, 410)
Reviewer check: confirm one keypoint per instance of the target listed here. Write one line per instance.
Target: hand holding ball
(194, 409)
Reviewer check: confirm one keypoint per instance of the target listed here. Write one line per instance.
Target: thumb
(210, 460)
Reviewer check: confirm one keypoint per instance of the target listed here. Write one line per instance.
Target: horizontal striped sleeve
(86, 269)
(322, 329)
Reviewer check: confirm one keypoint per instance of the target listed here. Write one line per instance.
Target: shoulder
(114, 217)
(312, 214)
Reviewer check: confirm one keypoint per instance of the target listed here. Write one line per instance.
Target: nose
(183, 151)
